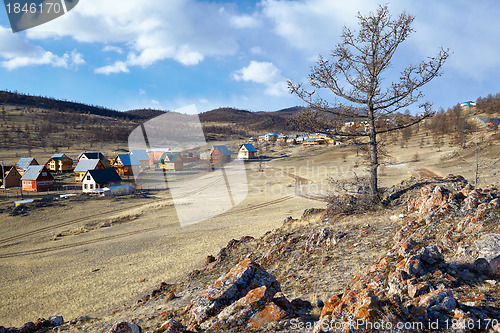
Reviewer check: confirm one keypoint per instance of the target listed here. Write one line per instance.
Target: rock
(209, 259)
(125, 327)
(236, 297)
(301, 304)
(170, 326)
(320, 303)
(270, 313)
(482, 266)
(56, 320)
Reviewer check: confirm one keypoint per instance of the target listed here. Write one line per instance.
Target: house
(37, 178)
(59, 162)
(24, 163)
(271, 137)
(99, 178)
(247, 151)
(85, 165)
(220, 154)
(156, 154)
(468, 104)
(9, 177)
(125, 163)
(94, 156)
(291, 142)
(253, 139)
(142, 156)
(171, 161)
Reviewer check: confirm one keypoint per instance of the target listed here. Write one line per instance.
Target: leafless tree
(356, 75)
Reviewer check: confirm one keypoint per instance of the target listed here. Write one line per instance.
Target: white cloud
(244, 21)
(265, 73)
(111, 48)
(18, 53)
(186, 31)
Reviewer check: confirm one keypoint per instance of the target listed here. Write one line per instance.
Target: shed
(141, 156)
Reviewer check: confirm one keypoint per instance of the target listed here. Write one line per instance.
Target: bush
(349, 197)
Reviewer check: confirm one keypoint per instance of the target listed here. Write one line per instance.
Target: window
(29, 182)
(24, 182)
(85, 186)
(88, 177)
(44, 174)
(91, 186)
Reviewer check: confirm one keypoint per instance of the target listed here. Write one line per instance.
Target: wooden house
(24, 163)
(253, 139)
(9, 177)
(37, 178)
(247, 151)
(172, 161)
(59, 163)
(271, 137)
(85, 165)
(155, 156)
(125, 163)
(94, 156)
(100, 178)
(143, 157)
(220, 154)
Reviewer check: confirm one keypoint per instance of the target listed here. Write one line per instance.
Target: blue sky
(127, 54)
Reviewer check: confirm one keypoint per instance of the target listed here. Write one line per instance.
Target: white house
(99, 178)
(247, 151)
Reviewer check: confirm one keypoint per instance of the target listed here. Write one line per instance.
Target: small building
(271, 137)
(24, 163)
(291, 142)
(9, 177)
(247, 151)
(171, 161)
(253, 139)
(142, 156)
(59, 163)
(85, 165)
(124, 164)
(94, 156)
(220, 154)
(114, 191)
(100, 178)
(188, 157)
(468, 104)
(37, 178)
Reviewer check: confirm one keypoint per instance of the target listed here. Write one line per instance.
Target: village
(95, 174)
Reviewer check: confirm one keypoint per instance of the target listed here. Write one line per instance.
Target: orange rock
(270, 313)
(330, 305)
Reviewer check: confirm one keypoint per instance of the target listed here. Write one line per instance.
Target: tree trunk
(373, 157)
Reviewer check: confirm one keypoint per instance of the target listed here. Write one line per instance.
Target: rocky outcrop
(425, 282)
(246, 296)
(125, 327)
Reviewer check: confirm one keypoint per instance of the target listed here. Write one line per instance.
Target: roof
(171, 157)
(102, 176)
(5, 169)
(128, 159)
(85, 165)
(33, 172)
(249, 147)
(58, 157)
(272, 134)
(25, 162)
(141, 155)
(223, 150)
(92, 156)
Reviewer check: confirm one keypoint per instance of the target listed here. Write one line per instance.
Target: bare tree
(356, 72)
